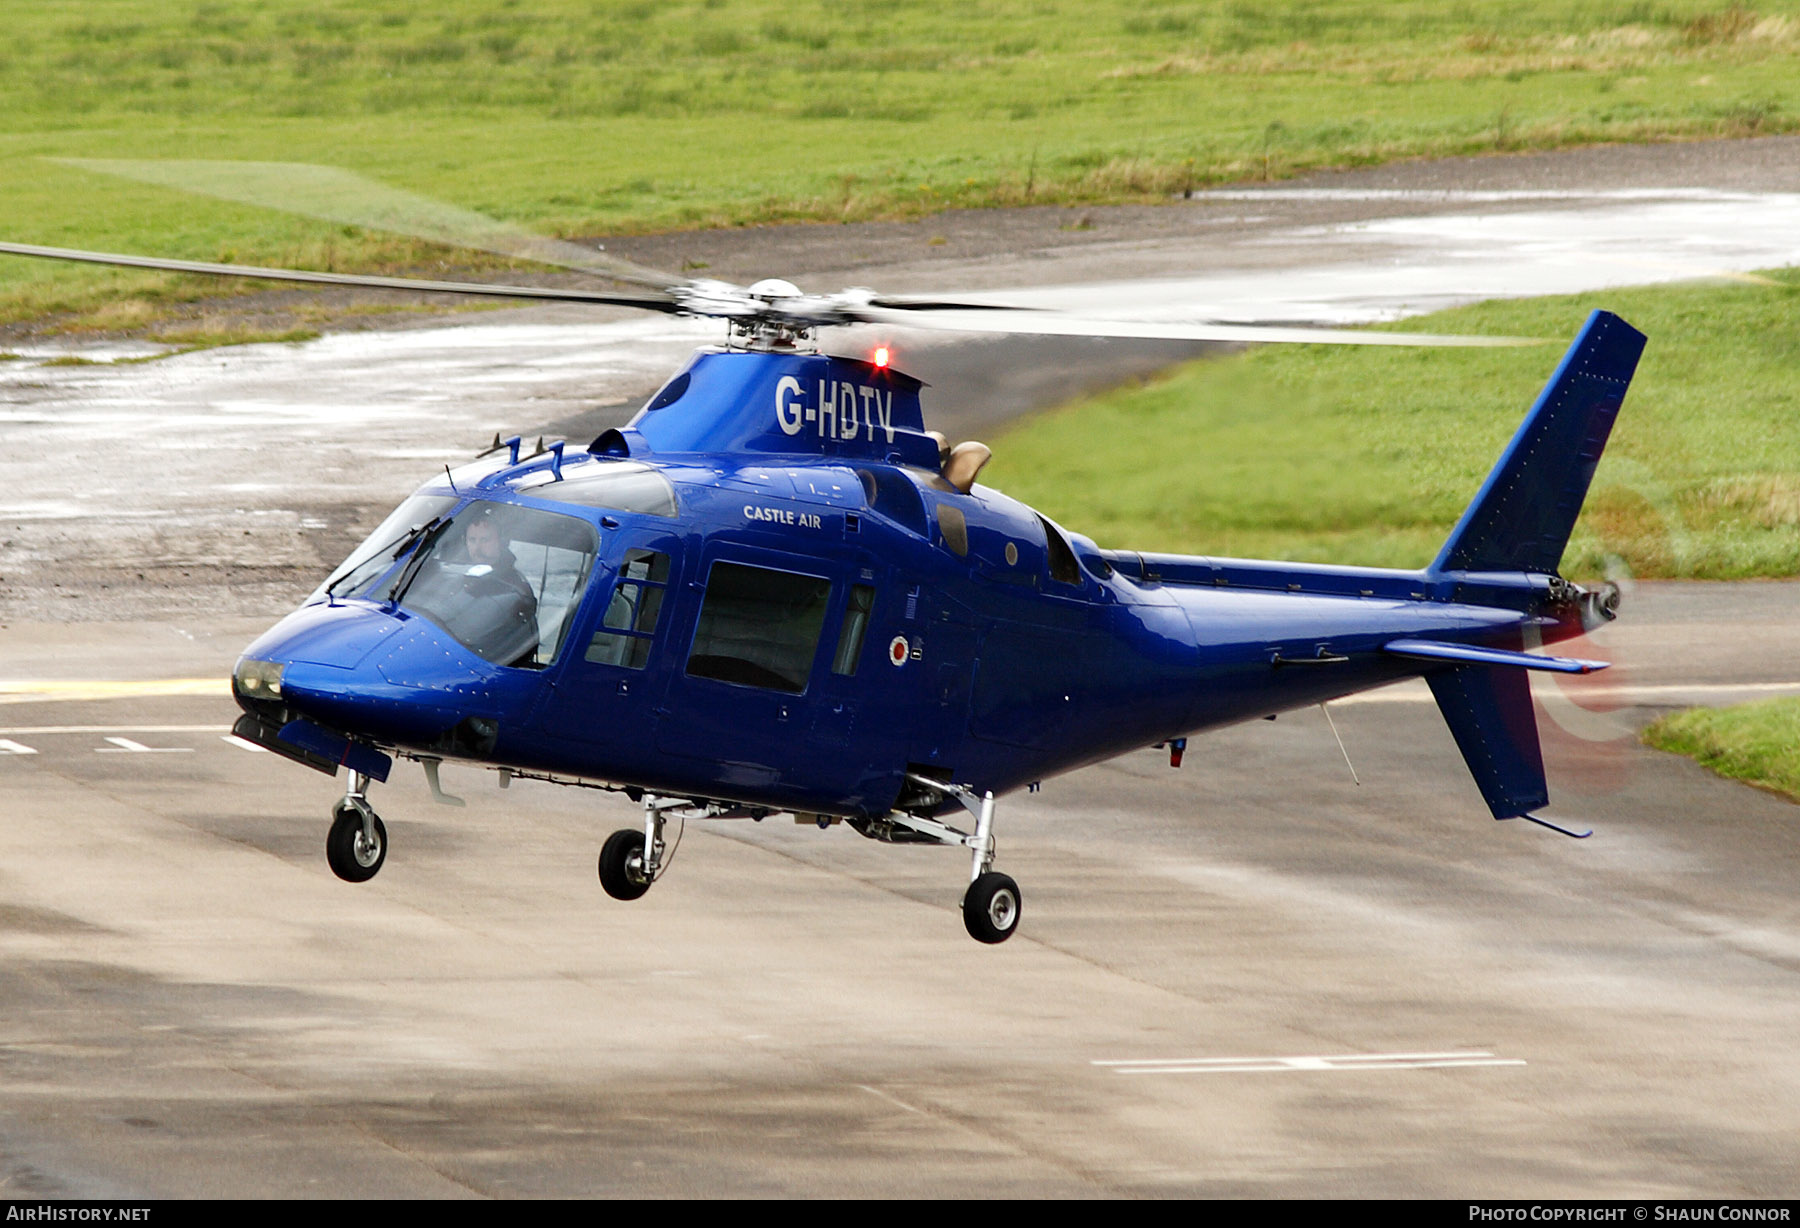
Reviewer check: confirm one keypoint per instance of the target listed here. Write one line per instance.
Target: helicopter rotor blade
(333, 194)
(912, 302)
(984, 318)
(342, 196)
(645, 302)
(687, 299)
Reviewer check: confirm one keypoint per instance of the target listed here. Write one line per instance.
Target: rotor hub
(761, 334)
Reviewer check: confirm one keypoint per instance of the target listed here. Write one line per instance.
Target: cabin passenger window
(759, 627)
(631, 613)
(852, 630)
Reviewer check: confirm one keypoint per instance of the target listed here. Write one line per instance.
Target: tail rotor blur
(1590, 724)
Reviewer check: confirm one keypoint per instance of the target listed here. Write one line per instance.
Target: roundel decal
(897, 649)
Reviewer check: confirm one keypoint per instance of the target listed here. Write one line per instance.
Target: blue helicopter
(775, 591)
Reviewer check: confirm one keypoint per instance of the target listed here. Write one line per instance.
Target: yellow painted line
(33, 730)
(50, 690)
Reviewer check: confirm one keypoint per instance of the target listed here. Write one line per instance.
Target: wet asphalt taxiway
(1250, 977)
(1247, 977)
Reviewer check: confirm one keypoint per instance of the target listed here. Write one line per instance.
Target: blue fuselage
(885, 623)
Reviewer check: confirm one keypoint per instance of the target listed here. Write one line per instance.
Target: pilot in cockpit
(493, 579)
(486, 548)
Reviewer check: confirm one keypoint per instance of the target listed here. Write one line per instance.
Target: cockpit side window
(632, 612)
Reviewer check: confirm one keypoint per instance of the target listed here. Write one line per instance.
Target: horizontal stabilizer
(1469, 654)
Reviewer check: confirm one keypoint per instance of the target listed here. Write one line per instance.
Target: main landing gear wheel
(622, 865)
(354, 857)
(991, 908)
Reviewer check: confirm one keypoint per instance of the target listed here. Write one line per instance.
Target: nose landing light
(255, 679)
(269, 721)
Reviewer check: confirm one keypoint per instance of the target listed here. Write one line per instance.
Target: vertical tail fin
(1521, 518)
(1488, 709)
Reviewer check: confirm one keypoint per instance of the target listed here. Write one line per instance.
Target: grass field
(1755, 743)
(1369, 455)
(586, 118)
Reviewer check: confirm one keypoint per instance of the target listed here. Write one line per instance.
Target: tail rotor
(1589, 724)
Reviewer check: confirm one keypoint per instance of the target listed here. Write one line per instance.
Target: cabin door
(741, 691)
(602, 694)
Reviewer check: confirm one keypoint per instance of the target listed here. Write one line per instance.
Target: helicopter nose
(368, 673)
(362, 703)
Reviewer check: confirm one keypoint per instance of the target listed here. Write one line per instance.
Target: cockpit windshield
(504, 580)
(371, 560)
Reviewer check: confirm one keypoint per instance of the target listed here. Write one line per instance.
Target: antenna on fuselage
(511, 444)
(1340, 741)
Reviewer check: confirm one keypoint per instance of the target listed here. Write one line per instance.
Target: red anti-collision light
(882, 355)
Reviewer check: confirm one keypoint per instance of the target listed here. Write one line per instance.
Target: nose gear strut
(357, 844)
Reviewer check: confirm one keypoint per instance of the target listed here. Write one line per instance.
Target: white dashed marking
(1339, 1061)
(127, 746)
(893, 1100)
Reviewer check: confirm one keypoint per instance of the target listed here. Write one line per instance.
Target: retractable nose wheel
(354, 849)
(991, 908)
(622, 865)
